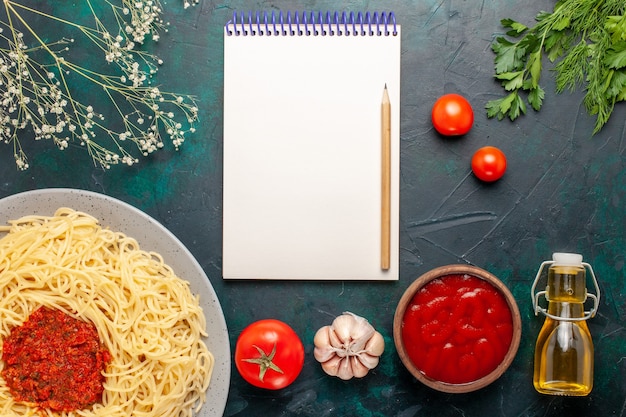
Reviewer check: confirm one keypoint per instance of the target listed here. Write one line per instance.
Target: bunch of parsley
(586, 39)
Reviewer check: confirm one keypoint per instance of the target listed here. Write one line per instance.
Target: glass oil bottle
(564, 348)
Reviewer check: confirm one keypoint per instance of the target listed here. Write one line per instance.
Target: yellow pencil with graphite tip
(385, 235)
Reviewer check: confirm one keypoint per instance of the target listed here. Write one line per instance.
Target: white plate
(151, 236)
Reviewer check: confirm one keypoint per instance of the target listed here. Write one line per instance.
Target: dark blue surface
(564, 191)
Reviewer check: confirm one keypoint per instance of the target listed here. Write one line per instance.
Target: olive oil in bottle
(564, 349)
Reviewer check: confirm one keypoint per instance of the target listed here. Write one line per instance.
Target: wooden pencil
(385, 228)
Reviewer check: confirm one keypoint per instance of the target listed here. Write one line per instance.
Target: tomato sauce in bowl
(457, 328)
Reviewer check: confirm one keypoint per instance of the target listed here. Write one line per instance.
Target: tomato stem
(264, 362)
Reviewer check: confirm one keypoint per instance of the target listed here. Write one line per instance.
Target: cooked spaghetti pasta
(146, 316)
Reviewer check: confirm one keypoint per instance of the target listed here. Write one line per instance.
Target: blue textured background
(564, 191)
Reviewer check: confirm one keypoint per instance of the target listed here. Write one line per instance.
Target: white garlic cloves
(321, 336)
(323, 354)
(349, 347)
(358, 369)
(375, 346)
(345, 369)
(362, 329)
(342, 326)
(368, 361)
(323, 350)
(331, 366)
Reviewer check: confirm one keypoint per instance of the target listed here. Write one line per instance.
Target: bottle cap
(567, 259)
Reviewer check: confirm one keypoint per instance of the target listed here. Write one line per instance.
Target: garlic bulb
(349, 347)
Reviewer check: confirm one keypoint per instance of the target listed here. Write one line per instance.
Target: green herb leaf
(511, 80)
(516, 26)
(527, 45)
(617, 85)
(518, 107)
(622, 95)
(534, 67)
(512, 105)
(616, 56)
(505, 55)
(586, 39)
(555, 44)
(616, 25)
(500, 107)
(561, 23)
(535, 97)
(541, 16)
(571, 71)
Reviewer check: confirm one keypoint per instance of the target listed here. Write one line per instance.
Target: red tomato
(489, 163)
(269, 354)
(452, 115)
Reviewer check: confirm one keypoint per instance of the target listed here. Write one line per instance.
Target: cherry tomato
(269, 354)
(489, 163)
(452, 115)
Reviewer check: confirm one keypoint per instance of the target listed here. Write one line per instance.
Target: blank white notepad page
(302, 156)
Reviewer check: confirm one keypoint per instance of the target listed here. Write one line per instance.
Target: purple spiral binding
(312, 24)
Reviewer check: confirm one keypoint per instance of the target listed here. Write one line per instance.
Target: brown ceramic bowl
(457, 328)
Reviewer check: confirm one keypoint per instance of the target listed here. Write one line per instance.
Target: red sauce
(54, 361)
(457, 329)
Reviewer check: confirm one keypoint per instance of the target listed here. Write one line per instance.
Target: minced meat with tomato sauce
(54, 361)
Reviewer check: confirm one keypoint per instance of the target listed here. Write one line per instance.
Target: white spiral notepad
(302, 145)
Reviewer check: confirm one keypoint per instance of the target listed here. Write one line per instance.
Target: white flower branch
(39, 83)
